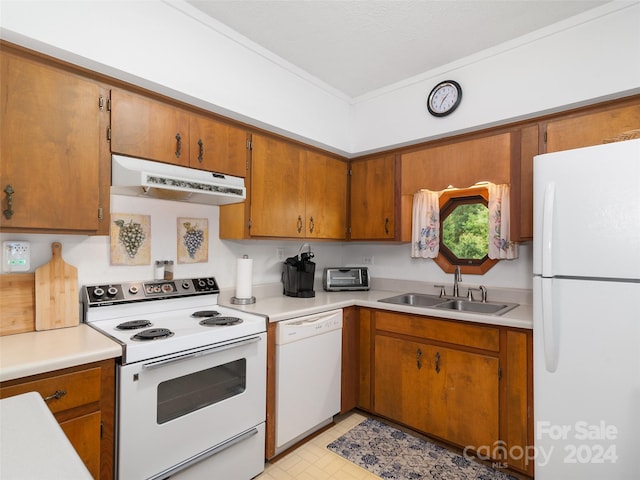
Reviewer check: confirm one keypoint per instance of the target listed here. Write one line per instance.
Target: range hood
(142, 178)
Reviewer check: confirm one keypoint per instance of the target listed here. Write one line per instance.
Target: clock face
(444, 98)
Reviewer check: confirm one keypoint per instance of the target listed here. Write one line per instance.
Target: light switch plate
(16, 256)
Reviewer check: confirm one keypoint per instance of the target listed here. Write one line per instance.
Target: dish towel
(500, 245)
(425, 228)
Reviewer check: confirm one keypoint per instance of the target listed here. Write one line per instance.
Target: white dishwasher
(308, 374)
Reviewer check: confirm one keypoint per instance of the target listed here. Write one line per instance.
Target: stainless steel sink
(477, 307)
(460, 305)
(414, 299)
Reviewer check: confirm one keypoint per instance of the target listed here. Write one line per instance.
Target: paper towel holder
(243, 301)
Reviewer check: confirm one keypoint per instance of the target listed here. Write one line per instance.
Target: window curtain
(426, 224)
(500, 245)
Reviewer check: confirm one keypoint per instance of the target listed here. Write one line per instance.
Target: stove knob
(98, 292)
(133, 289)
(210, 282)
(186, 285)
(201, 283)
(112, 291)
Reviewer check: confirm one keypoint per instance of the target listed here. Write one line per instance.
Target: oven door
(177, 410)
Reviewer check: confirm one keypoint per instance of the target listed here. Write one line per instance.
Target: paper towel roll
(243, 277)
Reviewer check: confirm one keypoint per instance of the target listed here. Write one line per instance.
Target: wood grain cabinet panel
(466, 384)
(591, 127)
(217, 147)
(294, 193)
(373, 199)
(51, 142)
(82, 399)
(144, 128)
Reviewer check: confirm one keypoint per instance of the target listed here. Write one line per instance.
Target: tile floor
(312, 461)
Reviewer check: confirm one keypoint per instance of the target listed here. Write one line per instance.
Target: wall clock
(444, 98)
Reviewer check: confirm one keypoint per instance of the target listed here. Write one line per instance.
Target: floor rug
(393, 454)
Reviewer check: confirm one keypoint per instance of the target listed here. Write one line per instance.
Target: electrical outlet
(367, 260)
(280, 253)
(16, 256)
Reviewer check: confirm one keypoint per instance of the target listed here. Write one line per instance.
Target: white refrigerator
(586, 290)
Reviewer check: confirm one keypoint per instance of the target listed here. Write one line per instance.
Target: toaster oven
(348, 278)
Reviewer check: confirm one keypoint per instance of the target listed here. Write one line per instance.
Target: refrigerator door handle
(547, 229)
(549, 326)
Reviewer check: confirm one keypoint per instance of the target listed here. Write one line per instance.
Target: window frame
(449, 200)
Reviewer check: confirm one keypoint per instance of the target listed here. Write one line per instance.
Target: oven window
(182, 395)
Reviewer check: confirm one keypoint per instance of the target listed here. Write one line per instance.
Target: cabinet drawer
(477, 336)
(81, 388)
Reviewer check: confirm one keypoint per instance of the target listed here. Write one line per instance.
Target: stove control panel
(111, 294)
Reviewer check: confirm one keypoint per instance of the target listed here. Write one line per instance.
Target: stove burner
(208, 322)
(153, 334)
(205, 313)
(133, 325)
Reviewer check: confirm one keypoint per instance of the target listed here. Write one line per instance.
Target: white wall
(591, 56)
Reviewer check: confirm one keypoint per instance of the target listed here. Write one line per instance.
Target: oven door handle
(200, 353)
(206, 454)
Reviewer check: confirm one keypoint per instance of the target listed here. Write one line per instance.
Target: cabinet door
(50, 144)
(462, 403)
(217, 147)
(144, 128)
(373, 198)
(587, 129)
(84, 434)
(277, 189)
(325, 197)
(401, 384)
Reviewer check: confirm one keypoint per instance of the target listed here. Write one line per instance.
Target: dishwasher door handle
(308, 321)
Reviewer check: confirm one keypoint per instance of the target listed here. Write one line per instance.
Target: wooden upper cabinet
(325, 196)
(277, 189)
(217, 147)
(51, 142)
(373, 198)
(296, 193)
(145, 128)
(592, 127)
(460, 164)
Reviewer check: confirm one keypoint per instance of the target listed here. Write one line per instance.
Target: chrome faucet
(457, 277)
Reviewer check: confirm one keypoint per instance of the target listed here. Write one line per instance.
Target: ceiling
(357, 46)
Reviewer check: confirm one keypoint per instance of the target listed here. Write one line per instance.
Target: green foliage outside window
(465, 231)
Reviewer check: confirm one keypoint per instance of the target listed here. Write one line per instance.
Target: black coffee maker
(298, 274)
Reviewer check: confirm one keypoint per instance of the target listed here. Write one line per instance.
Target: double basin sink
(447, 303)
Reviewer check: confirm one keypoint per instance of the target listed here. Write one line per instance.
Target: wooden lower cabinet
(82, 400)
(445, 392)
(467, 384)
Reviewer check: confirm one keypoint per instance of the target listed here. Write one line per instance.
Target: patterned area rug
(392, 454)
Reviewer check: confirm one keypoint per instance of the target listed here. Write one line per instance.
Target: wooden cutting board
(57, 302)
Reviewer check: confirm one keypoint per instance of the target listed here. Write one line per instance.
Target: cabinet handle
(419, 359)
(386, 226)
(437, 362)
(178, 145)
(299, 224)
(311, 225)
(8, 213)
(201, 150)
(56, 396)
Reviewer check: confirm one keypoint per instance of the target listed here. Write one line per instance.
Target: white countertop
(34, 447)
(30, 353)
(271, 303)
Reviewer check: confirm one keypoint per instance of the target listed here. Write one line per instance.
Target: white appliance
(586, 288)
(308, 375)
(142, 178)
(191, 383)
